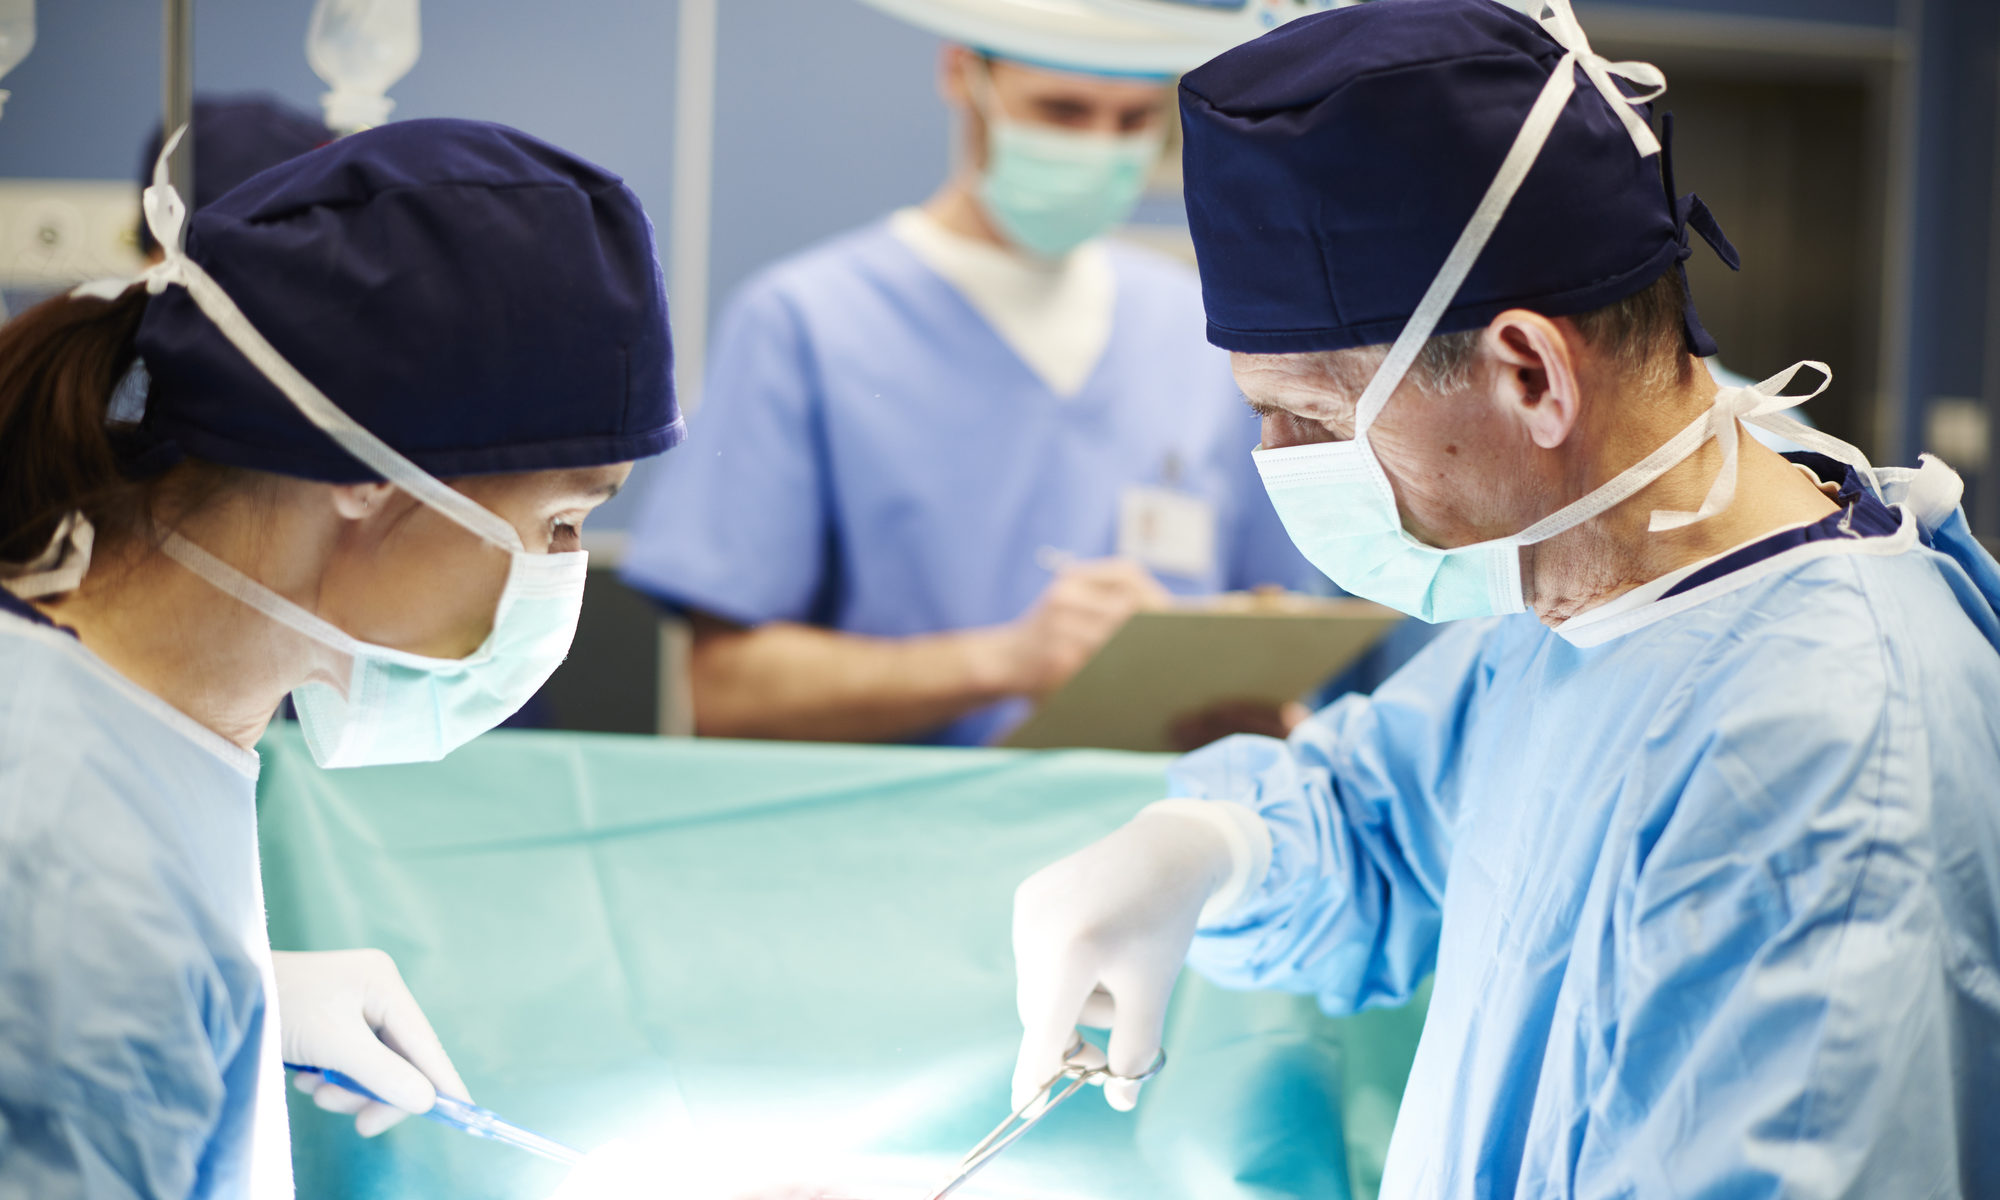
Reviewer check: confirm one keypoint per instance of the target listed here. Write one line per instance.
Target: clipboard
(1167, 664)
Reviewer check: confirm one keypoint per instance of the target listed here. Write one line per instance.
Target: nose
(1283, 429)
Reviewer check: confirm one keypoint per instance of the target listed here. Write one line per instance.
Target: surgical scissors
(1020, 1121)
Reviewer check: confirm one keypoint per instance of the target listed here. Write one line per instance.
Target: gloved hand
(1100, 938)
(349, 1011)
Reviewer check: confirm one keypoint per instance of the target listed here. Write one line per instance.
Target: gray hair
(1642, 335)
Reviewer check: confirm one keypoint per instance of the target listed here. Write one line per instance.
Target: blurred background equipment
(1140, 36)
(17, 37)
(361, 48)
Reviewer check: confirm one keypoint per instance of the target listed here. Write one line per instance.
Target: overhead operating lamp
(1151, 37)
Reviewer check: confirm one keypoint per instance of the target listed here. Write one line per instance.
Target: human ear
(1534, 375)
(953, 63)
(356, 501)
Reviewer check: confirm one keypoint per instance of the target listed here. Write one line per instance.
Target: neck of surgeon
(1616, 552)
(1495, 429)
(206, 654)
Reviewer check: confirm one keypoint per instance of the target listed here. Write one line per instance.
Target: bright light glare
(661, 1170)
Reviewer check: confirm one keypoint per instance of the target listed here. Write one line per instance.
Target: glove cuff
(1249, 842)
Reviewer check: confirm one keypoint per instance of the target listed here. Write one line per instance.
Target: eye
(565, 536)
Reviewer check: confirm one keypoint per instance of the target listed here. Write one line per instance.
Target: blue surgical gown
(138, 1056)
(870, 456)
(1712, 894)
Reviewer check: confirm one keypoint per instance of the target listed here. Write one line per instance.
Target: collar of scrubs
(1055, 316)
(15, 606)
(40, 628)
(1863, 525)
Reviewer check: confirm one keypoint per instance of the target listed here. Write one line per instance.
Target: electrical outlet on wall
(57, 232)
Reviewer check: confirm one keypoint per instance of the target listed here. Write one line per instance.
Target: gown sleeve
(116, 1031)
(735, 523)
(1360, 803)
(1783, 1023)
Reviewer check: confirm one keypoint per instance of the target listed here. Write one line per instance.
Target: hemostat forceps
(1071, 1080)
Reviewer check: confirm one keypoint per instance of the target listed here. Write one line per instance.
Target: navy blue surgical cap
(478, 299)
(1332, 163)
(234, 138)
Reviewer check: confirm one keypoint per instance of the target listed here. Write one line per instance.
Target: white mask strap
(166, 216)
(1756, 402)
(241, 587)
(1732, 404)
(1562, 26)
(59, 568)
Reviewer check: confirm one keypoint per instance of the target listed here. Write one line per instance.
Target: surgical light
(1154, 37)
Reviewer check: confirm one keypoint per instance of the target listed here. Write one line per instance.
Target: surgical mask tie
(1334, 497)
(57, 569)
(392, 705)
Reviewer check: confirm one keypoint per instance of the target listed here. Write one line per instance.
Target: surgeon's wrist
(1244, 852)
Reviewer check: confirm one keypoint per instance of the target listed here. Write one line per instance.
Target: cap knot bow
(1562, 25)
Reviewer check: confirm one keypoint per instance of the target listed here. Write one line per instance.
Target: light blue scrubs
(871, 457)
(132, 996)
(1713, 904)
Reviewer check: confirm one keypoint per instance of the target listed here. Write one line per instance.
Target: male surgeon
(941, 459)
(1692, 812)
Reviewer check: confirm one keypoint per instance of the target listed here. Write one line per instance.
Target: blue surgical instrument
(467, 1116)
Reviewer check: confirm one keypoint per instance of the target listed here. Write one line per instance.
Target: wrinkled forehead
(1322, 384)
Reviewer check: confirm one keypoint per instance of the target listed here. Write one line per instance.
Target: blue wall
(593, 75)
(827, 116)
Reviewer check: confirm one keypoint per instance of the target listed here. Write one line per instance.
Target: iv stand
(177, 76)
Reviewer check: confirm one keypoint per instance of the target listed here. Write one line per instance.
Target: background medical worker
(1692, 813)
(275, 523)
(943, 457)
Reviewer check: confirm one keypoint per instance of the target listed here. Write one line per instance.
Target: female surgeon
(338, 444)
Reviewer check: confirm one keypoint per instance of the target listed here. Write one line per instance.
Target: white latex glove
(1100, 938)
(349, 1011)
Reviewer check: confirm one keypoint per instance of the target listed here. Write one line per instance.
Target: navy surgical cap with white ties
(480, 300)
(1332, 164)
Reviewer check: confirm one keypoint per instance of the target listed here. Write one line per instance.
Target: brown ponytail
(60, 362)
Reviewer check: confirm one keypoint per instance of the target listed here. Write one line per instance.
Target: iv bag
(17, 36)
(360, 48)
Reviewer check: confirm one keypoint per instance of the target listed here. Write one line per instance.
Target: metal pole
(177, 78)
(689, 220)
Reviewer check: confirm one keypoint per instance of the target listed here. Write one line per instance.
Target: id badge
(1168, 532)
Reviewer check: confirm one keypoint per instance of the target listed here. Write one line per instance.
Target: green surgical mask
(1051, 190)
